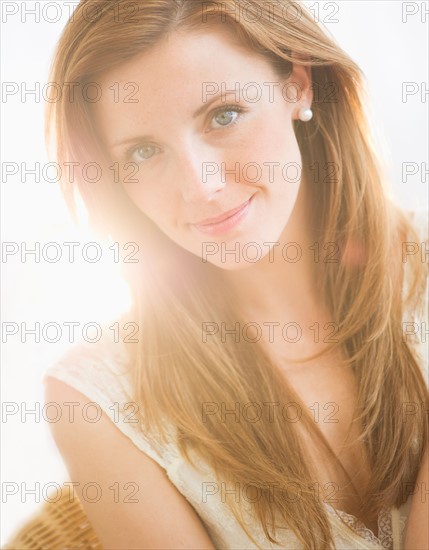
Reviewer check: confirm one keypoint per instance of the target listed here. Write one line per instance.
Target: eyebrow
(207, 104)
(197, 113)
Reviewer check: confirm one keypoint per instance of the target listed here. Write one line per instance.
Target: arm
(99, 453)
(417, 534)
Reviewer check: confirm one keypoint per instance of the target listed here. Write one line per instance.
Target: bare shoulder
(138, 506)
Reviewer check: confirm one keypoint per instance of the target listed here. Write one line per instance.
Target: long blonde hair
(174, 372)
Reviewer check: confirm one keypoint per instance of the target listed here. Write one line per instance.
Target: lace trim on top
(384, 523)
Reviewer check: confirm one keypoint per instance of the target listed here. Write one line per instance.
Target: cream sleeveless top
(100, 372)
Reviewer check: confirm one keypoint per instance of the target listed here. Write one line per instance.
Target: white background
(390, 48)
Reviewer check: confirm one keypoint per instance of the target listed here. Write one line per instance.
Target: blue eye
(145, 152)
(228, 116)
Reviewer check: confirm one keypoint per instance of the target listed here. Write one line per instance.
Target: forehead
(176, 70)
(211, 50)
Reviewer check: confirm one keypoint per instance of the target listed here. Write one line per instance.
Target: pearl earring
(305, 114)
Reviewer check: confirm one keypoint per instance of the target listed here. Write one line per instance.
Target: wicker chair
(60, 525)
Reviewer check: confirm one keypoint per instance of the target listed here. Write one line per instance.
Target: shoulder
(101, 366)
(93, 381)
(126, 494)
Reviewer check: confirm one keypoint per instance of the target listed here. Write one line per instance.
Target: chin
(233, 266)
(237, 257)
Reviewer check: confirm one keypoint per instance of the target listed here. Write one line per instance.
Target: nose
(198, 173)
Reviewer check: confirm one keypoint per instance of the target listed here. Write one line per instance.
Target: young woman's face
(208, 129)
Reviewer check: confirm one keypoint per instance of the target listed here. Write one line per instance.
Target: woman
(267, 373)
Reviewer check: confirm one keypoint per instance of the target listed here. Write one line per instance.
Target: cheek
(270, 141)
(276, 144)
(155, 204)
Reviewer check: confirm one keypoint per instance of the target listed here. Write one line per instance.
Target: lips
(226, 222)
(222, 217)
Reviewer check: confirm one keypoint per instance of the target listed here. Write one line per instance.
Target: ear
(301, 87)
